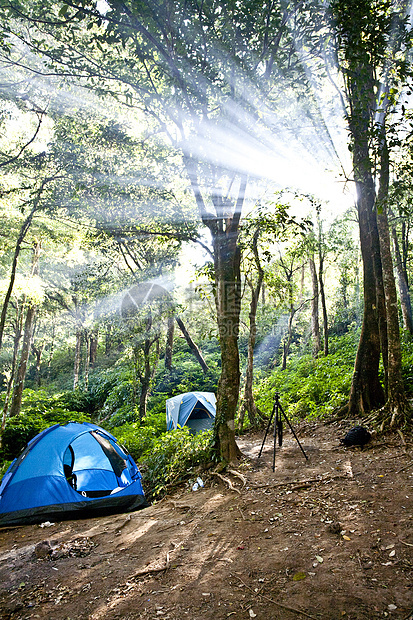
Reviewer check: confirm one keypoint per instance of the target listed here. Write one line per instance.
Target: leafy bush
(136, 438)
(173, 458)
(78, 400)
(139, 437)
(39, 411)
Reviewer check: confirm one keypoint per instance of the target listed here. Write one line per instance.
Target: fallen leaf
(319, 559)
(298, 576)
(346, 538)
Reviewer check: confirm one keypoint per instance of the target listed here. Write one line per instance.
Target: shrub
(137, 439)
(39, 411)
(173, 458)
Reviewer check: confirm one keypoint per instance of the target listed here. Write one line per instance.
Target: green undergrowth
(39, 411)
(309, 387)
(175, 457)
(165, 458)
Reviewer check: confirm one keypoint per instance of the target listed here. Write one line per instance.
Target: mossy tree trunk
(397, 412)
(405, 300)
(315, 316)
(27, 341)
(248, 403)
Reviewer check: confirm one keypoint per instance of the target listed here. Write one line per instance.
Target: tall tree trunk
(224, 229)
(76, 366)
(292, 311)
(38, 352)
(405, 300)
(397, 404)
(22, 234)
(315, 321)
(10, 380)
(27, 342)
(148, 370)
(94, 338)
(366, 390)
(51, 348)
(228, 294)
(323, 302)
(288, 338)
(147, 378)
(302, 284)
(169, 343)
(87, 360)
(351, 19)
(248, 402)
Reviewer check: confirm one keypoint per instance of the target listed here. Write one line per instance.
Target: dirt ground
(328, 538)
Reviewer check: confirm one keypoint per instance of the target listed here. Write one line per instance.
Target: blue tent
(194, 409)
(70, 471)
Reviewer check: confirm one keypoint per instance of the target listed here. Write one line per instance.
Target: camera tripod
(278, 411)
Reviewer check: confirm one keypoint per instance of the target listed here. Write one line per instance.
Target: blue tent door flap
(74, 470)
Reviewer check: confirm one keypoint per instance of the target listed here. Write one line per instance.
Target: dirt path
(328, 538)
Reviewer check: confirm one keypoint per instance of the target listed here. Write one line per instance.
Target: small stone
(43, 550)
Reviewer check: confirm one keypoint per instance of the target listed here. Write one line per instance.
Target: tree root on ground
(226, 480)
(396, 415)
(237, 474)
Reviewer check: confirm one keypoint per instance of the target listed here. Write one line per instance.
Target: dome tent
(193, 409)
(70, 471)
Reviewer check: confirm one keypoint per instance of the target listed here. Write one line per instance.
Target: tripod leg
(293, 432)
(275, 443)
(276, 422)
(266, 432)
(280, 431)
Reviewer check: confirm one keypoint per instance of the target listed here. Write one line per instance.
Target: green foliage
(311, 387)
(39, 411)
(139, 437)
(109, 397)
(118, 406)
(187, 375)
(78, 400)
(407, 364)
(4, 467)
(174, 458)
